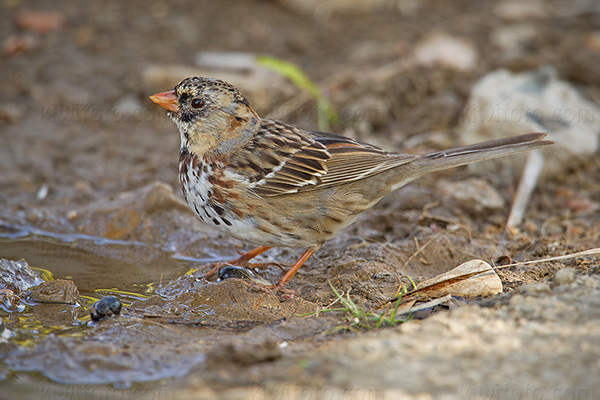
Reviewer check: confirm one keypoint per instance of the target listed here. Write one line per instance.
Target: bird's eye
(196, 103)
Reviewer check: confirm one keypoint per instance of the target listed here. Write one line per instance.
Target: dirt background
(89, 191)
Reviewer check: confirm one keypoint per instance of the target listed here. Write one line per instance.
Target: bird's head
(211, 115)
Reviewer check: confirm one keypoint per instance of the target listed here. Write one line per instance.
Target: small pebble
(565, 276)
(534, 289)
(447, 51)
(43, 192)
(5, 333)
(18, 44)
(233, 271)
(589, 282)
(105, 307)
(41, 22)
(475, 196)
(56, 291)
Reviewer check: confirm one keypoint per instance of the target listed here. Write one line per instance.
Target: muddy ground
(89, 192)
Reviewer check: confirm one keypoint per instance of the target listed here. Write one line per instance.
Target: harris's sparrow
(273, 184)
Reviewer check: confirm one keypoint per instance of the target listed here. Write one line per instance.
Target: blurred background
(89, 188)
(74, 109)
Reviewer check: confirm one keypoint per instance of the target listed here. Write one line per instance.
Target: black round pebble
(105, 307)
(233, 271)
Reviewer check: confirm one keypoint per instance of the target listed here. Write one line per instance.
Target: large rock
(506, 104)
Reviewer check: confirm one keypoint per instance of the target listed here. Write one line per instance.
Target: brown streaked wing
(352, 160)
(312, 160)
(280, 159)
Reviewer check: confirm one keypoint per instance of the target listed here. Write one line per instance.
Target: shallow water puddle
(98, 267)
(69, 257)
(170, 320)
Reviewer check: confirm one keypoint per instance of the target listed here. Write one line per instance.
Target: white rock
(43, 192)
(225, 59)
(447, 51)
(475, 196)
(506, 104)
(520, 10)
(324, 9)
(565, 276)
(514, 39)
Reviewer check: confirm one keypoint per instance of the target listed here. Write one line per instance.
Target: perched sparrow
(274, 184)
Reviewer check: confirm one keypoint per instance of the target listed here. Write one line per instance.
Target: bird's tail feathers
(464, 155)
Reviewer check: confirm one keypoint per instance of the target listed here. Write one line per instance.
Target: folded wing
(282, 159)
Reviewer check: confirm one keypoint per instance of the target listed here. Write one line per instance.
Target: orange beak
(166, 100)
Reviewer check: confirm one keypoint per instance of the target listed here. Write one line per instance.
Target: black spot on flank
(205, 212)
(239, 119)
(196, 208)
(216, 221)
(219, 210)
(187, 136)
(205, 169)
(227, 222)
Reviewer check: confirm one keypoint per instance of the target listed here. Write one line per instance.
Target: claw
(215, 268)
